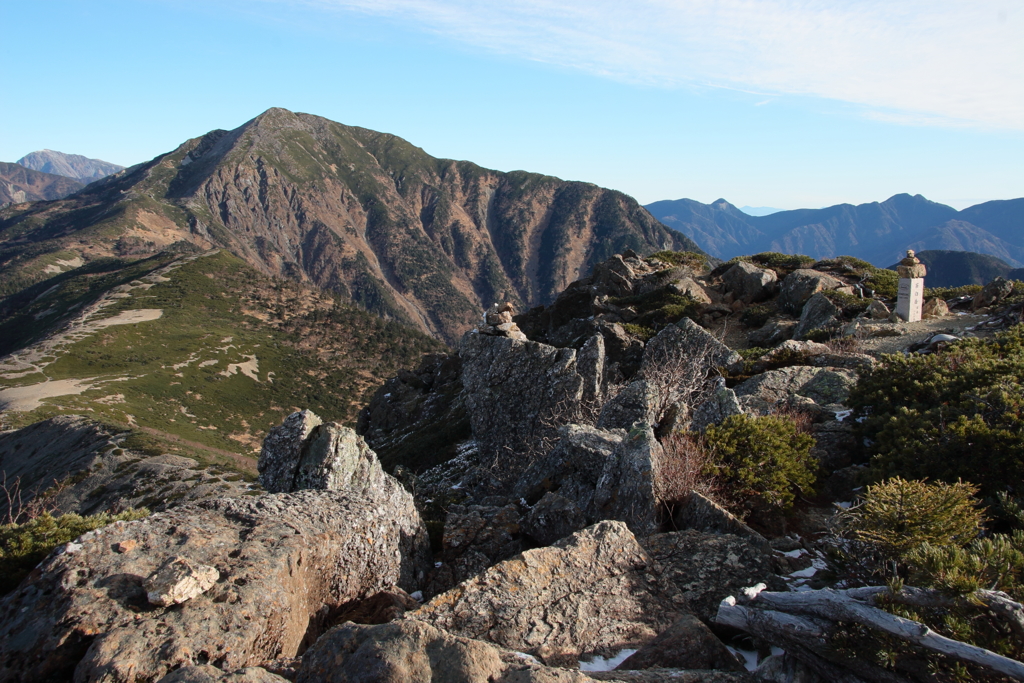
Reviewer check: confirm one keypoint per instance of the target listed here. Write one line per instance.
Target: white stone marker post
(911, 292)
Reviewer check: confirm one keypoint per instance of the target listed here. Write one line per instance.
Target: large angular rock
(637, 402)
(801, 285)
(748, 283)
(772, 332)
(517, 393)
(720, 405)
(415, 652)
(700, 513)
(595, 592)
(553, 517)
(818, 314)
(628, 488)
(992, 293)
(709, 567)
(572, 468)
(286, 561)
(282, 451)
(824, 386)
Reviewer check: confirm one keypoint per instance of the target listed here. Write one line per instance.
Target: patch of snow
(417, 596)
(795, 553)
(529, 658)
(843, 414)
(749, 657)
(602, 664)
(845, 504)
(437, 565)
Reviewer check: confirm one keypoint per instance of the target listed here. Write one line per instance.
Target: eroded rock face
(708, 567)
(628, 487)
(593, 592)
(414, 652)
(285, 562)
(282, 451)
(515, 394)
(475, 538)
(818, 314)
(722, 404)
(749, 283)
(801, 285)
(553, 517)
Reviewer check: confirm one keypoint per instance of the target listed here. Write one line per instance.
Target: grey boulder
(801, 285)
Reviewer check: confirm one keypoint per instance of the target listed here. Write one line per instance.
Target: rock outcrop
(303, 453)
(286, 564)
(818, 314)
(517, 394)
(748, 283)
(801, 285)
(596, 591)
(823, 386)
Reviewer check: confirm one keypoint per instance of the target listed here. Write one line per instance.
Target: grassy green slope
(230, 355)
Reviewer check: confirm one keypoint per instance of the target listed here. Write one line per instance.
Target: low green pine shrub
(758, 314)
(23, 546)
(659, 307)
(782, 264)
(762, 461)
(951, 292)
(687, 259)
(953, 415)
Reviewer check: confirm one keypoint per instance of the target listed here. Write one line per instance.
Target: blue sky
(785, 103)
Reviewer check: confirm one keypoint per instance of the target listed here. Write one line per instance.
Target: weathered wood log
(806, 639)
(852, 606)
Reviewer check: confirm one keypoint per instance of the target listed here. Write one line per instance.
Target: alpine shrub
(764, 461)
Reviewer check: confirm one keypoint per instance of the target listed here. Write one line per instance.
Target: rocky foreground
(554, 546)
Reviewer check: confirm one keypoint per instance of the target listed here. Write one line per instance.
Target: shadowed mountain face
(948, 268)
(19, 184)
(877, 232)
(69, 165)
(423, 240)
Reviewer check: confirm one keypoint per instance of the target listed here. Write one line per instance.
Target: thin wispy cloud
(941, 61)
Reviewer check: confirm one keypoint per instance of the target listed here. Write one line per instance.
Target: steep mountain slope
(877, 232)
(197, 352)
(19, 184)
(69, 165)
(421, 240)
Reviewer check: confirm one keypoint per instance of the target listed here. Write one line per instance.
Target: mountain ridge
(69, 165)
(418, 239)
(19, 184)
(876, 231)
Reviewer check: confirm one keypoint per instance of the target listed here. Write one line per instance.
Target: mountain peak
(68, 165)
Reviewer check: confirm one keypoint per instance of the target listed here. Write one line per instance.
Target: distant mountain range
(877, 232)
(69, 165)
(956, 268)
(425, 241)
(19, 184)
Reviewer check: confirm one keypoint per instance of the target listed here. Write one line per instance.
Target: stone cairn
(498, 323)
(911, 291)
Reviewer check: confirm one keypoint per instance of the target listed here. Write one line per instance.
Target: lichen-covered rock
(415, 652)
(282, 451)
(720, 405)
(691, 338)
(205, 673)
(818, 314)
(178, 580)
(572, 468)
(749, 283)
(335, 458)
(594, 592)
(801, 285)
(709, 567)
(628, 488)
(686, 644)
(285, 562)
(552, 518)
(824, 386)
(635, 403)
(517, 394)
(772, 332)
(877, 310)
